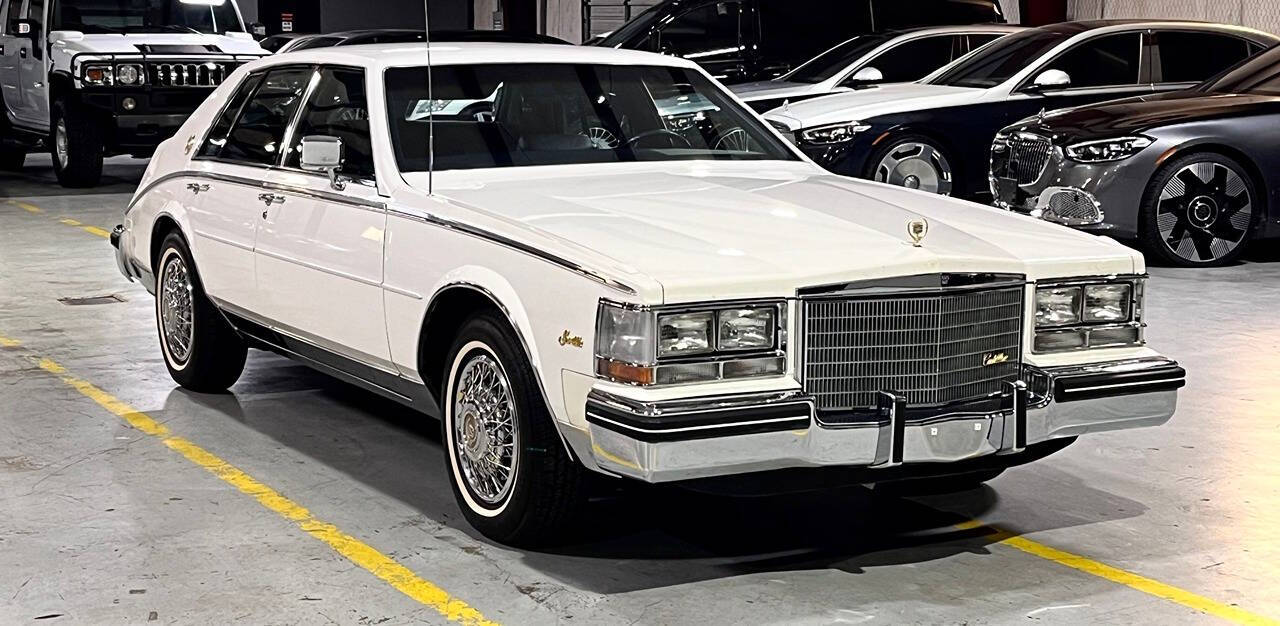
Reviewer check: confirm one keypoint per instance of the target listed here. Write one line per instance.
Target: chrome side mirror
(1051, 79)
(867, 74)
(323, 153)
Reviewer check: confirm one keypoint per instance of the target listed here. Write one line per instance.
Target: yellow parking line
(366, 557)
(30, 208)
(70, 222)
(1117, 575)
(94, 230)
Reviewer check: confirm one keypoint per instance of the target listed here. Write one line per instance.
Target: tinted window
(977, 40)
(35, 10)
(145, 16)
(315, 42)
(15, 13)
(705, 33)
(217, 137)
(1193, 57)
(1260, 75)
(1109, 60)
(505, 115)
(835, 60)
(795, 31)
(258, 133)
(338, 108)
(915, 59)
(891, 14)
(1001, 60)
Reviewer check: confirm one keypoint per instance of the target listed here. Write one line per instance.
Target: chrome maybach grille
(1027, 156)
(190, 74)
(935, 349)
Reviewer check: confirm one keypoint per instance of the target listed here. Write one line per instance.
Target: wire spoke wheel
(1204, 212)
(915, 165)
(177, 323)
(485, 436)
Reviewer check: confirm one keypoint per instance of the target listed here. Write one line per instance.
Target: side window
(35, 11)
(217, 137)
(1194, 57)
(338, 108)
(257, 135)
(12, 15)
(1102, 62)
(914, 59)
(708, 32)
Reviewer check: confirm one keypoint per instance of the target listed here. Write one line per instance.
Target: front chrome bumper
(699, 438)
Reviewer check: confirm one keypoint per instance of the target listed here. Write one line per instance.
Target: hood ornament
(1040, 117)
(917, 229)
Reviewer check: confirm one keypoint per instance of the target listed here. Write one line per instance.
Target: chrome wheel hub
(916, 165)
(175, 301)
(60, 143)
(1204, 211)
(484, 429)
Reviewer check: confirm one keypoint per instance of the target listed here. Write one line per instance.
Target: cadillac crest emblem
(917, 229)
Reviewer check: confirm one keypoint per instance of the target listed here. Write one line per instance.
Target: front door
(33, 75)
(319, 251)
(10, 43)
(1103, 68)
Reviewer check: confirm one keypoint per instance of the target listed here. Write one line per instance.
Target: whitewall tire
(201, 350)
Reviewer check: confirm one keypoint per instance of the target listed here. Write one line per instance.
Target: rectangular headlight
(747, 329)
(683, 334)
(699, 343)
(1089, 313)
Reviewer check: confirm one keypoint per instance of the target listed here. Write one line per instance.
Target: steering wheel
(658, 132)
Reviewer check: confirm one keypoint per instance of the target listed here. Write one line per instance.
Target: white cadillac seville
(592, 260)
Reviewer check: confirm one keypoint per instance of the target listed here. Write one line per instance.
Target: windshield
(509, 115)
(999, 61)
(835, 60)
(146, 16)
(1259, 75)
(623, 35)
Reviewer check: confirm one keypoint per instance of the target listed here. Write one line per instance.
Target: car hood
(1136, 115)
(693, 231)
(866, 103)
(766, 89)
(129, 44)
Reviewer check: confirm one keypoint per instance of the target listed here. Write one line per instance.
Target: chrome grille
(1028, 155)
(206, 74)
(935, 348)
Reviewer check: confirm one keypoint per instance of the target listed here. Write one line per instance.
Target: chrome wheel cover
(60, 151)
(177, 324)
(1204, 212)
(486, 440)
(601, 138)
(915, 165)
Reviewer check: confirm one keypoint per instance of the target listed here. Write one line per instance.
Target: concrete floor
(100, 523)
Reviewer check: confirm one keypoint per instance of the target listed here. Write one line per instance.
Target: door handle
(197, 188)
(271, 198)
(22, 52)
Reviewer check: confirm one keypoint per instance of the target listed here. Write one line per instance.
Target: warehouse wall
(1260, 14)
(348, 14)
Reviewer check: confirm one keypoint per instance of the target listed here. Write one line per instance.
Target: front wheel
(509, 470)
(914, 162)
(76, 145)
(1199, 211)
(201, 350)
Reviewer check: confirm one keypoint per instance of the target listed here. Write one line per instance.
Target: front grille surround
(188, 73)
(932, 346)
(1025, 156)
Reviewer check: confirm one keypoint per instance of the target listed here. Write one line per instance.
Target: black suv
(744, 40)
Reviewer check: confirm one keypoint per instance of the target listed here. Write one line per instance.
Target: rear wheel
(76, 145)
(1200, 211)
(914, 162)
(201, 350)
(509, 470)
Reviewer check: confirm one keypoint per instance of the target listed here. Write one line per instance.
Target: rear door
(1183, 59)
